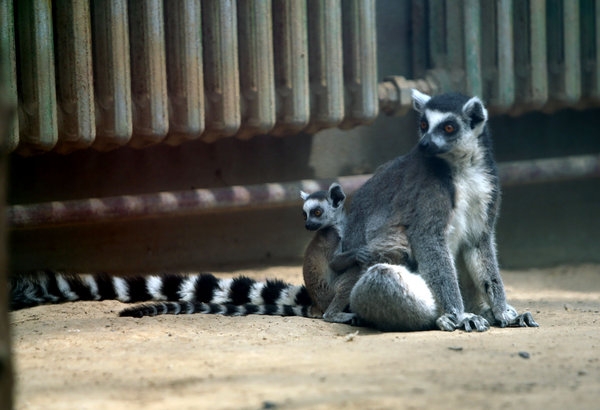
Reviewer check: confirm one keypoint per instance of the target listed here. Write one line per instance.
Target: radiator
(518, 55)
(109, 73)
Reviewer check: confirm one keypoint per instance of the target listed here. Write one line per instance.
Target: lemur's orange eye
(304, 215)
(423, 125)
(318, 213)
(449, 128)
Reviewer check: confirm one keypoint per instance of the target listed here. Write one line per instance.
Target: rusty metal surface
(360, 63)
(112, 77)
(37, 90)
(185, 79)
(221, 75)
(326, 64)
(8, 72)
(395, 93)
(290, 43)
(257, 80)
(195, 201)
(74, 81)
(149, 79)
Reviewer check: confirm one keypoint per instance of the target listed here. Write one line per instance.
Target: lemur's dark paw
(339, 317)
(363, 257)
(524, 320)
(356, 321)
(447, 322)
(470, 322)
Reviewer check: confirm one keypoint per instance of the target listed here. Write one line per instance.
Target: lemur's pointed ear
(419, 99)
(336, 194)
(303, 195)
(475, 111)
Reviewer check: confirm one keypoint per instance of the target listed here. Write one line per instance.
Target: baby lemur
(324, 213)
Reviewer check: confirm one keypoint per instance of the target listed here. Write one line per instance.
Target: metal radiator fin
(518, 55)
(140, 72)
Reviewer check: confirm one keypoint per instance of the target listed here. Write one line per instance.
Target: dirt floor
(82, 356)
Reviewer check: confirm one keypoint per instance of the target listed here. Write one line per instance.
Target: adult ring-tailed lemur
(445, 196)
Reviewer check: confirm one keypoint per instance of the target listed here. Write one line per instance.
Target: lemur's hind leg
(336, 311)
(391, 298)
(480, 261)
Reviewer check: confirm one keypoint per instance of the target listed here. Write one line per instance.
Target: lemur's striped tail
(52, 287)
(228, 309)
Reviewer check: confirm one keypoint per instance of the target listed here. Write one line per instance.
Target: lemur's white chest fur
(473, 193)
(472, 184)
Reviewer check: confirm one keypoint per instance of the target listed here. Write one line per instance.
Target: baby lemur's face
(323, 209)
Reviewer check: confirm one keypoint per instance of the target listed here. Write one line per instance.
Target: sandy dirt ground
(82, 356)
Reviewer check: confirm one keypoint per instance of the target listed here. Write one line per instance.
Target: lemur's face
(323, 209)
(450, 124)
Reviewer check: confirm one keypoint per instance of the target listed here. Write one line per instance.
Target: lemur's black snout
(424, 144)
(432, 146)
(311, 226)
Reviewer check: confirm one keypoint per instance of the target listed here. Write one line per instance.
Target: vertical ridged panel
(589, 51)
(572, 50)
(360, 63)
(74, 83)
(37, 92)
(538, 64)
(290, 42)
(148, 72)
(112, 80)
(563, 51)
(531, 64)
(437, 33)
(221, 74)
(257, 85)
(596, 77)
(455, 43)
(472, 46)
(489, 51)
(185, 79)
(419, 44)
(8, 71)
(325, 64)
(506, 73)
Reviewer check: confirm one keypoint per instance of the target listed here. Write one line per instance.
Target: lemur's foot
(503, 318)
(468, 322)
(340, 317)
(447, 322)
(524, 320)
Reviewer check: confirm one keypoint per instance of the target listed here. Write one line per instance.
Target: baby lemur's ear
(304, 195)
(336, 194)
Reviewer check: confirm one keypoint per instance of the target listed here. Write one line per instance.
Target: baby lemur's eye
(449, 128)
(304, 215)
(318, 212)
(424, 125)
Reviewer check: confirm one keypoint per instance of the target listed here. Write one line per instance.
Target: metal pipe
(95, 210)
